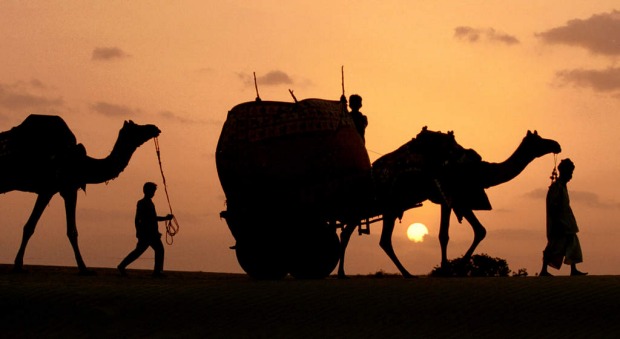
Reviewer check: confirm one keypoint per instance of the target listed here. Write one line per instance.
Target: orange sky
(488, 70)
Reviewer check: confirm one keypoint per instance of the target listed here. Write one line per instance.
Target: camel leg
(70, 197)
(345, 235)
(444, 236)
(386, 244)
(479, 233)
(39, 207)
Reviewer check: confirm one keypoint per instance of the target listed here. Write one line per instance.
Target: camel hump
(47, 128)
(426, 154)
(38, 134)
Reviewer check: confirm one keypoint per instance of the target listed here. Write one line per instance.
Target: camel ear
(535, 132)
(529, 132)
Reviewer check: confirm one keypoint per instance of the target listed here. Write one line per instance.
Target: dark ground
(56, 302)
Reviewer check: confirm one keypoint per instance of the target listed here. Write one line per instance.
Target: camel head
(135, 135)
(538, 146)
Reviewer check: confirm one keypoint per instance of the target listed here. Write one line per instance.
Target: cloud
(28, 96)
(515, 234)
(36, 83)
(113, 110)
(108, 53)
(605, 80)
(205, 71)
(171, 116)
(474, 35)
(168, 115)
(586, 198)
(97, 215)
(600, 34)
(539, 193)
(273, 78)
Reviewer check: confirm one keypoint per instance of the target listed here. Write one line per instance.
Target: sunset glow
(489, 71)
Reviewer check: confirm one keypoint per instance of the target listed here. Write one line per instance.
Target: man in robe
(562, 241)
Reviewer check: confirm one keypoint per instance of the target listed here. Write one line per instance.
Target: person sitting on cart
(360, 120)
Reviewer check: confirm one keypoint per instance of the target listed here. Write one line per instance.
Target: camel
(448, 175)
(41, 156)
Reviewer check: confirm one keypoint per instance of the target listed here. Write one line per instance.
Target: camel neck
(108, 168)
(494, 174)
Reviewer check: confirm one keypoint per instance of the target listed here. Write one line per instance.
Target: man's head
(355, 102)
(566, 168)
(149, 189)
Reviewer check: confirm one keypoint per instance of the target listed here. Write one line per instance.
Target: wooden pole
(342, 73)
(256, 87)
(293, 95)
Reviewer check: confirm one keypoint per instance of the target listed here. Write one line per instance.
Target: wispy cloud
(108, 53)
(171, 116)
(114, 110)
(599, 34)
(28, 96)
(586, 198)
(174, 117)
(475, 35)
(538, 193)
(592, 200)
(273, 78)
(515, 234)
(605, 80)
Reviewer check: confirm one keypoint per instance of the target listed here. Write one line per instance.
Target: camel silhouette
(443, 172)
(41, 156)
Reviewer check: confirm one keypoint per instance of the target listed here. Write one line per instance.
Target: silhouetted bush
(480, 265)
(383, 274)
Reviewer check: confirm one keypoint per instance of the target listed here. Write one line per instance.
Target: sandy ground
(56, 302)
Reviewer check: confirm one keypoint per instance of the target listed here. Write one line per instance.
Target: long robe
(562, 241)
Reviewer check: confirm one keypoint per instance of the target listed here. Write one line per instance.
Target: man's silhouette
(562, 240)
(147, 232)
(360, 120)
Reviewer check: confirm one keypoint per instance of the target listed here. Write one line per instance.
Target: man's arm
(167, 217)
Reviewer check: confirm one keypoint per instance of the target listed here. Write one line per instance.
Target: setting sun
(416, 232)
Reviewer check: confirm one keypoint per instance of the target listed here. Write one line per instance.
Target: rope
(172, 226)
(375, 152)
(554, 173)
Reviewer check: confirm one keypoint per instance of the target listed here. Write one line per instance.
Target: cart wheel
(261, 259)
(315, 254)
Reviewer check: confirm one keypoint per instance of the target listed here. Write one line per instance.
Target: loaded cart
(292, 173)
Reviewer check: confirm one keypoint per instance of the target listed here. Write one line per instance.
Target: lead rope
(172, 226)
(554, 173)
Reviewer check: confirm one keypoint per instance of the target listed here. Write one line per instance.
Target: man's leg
(133, 255)
(158, 247)
(543, 270)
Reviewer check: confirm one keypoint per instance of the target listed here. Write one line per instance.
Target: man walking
(147, 232)
(562, 241)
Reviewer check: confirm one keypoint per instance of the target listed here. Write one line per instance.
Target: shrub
(522, 272)
(480, 265)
